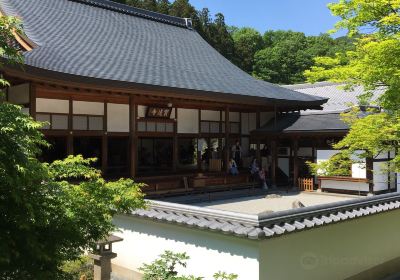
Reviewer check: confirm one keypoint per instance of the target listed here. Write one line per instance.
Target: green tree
(165, 268)
(247, 42)
(375, 64)
(338, 165)
(284, 59)
(45, 219)
(287, 54)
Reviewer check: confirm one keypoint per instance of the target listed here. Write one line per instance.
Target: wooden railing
(306, 184)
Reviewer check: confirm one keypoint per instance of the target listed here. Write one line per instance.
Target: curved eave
(36, 74)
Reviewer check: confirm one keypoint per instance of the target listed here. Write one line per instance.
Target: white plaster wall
(324, 155)
(208, 115)
(380, 173)
(52, 105)
(141, 111)
(19, 94)
(234, 116)
(283, 164)
(117, 117)
(337, 251)
(398, 181)
(358, 170)
(209, 252)
(88, 108)
(188, 121)
(345, 185)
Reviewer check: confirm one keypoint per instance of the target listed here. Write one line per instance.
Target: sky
(309, 16)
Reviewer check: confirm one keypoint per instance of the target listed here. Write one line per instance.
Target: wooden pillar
(258, 151)
(258, 141)
(198, 139)
(70, 137)
(104, 142)
(175, 147)
(132, 136)
(273, 162)
(32, 100)
(295, 146)
(227, 148)
(369, 164)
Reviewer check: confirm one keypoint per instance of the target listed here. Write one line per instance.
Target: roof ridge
(133, 11)
(311, 85)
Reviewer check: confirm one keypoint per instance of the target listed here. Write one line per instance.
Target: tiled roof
(339, 98)
(271, 224)
(296, 122)
(112, 42)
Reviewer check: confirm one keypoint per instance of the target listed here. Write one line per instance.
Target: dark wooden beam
(70, 137)
(32, 100)
(104, 145)
(274, 162)
(132, 136)
(369, 164)
(295, 147)
(227, 147)
(175, 146)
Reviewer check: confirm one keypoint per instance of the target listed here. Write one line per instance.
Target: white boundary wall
(209, 252)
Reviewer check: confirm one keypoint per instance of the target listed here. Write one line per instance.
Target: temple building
(141, 91)
(152, 100)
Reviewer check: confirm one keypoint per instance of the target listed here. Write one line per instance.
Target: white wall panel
(141, 111)
(145, 240)
(188, 121)
(117, 117)
(19, 94)
(88, 108)
(234, 116)
(208, 115)
(345, 185)
(380, 174)
(52, 105)
(358, 170)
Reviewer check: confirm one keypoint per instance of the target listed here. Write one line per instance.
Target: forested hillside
(275, 56)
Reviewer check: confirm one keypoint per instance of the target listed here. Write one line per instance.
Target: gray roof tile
(295, 122)
(339, 98)
(271, 224)
(87, 38)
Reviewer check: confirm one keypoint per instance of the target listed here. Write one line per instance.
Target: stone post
(102, 257)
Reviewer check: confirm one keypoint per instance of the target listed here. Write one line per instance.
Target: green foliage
(287, 54)
(8, 27)
(80, 269)
(46, 220)
(247, 42)
(374, 64)
(225, 276)
(338, 165)
(165, 268)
